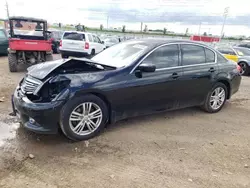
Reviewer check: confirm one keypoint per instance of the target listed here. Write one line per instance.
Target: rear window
(74, 36)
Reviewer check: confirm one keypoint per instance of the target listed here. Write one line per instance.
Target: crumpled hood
(41, 70)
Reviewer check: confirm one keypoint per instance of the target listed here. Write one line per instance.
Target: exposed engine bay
(45, 81)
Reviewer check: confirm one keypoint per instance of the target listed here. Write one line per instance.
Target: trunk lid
(73, 41)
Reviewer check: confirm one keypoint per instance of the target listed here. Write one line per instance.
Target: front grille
(29, 85)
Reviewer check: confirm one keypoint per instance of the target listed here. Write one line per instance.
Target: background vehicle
(110, 41)
(3, 42)
(28, 42)
(238, 54)
(55, 37)
(132, 78)
(80, 44)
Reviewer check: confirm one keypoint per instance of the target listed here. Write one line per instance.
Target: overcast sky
(174, 15)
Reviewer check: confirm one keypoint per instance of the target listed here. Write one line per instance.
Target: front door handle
(211, 69)
(175, 75)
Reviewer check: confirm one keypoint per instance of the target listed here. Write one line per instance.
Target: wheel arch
(104, 98)
(228, 85)
(244, 61)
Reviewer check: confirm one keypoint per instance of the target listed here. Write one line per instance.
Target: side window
(210, 56)
(99, 41)
(95, 38)
(192, 54)
(90, 38)
(164, 57)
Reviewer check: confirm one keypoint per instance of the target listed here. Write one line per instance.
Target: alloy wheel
(217, 98)
(85, 118)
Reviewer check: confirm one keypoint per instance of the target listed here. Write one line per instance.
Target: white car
(80, 44)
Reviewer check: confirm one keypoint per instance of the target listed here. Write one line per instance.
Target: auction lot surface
(184, 148)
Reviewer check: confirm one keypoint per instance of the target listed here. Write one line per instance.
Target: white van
(80, 44)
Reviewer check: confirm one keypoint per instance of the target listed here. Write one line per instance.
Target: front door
(159, 90)
(199, 69)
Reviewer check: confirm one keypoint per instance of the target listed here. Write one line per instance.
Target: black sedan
(135, 77)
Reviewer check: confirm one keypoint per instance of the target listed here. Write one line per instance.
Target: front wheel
(216, 98)
(12, 58)
(83, 117)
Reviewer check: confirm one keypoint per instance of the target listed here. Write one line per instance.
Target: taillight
(61, 43)
(239, 68)
(86, 45)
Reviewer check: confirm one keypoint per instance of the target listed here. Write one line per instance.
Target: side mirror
(102, 42)
(146, 67)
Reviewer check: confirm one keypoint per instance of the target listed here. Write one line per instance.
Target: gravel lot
(184, 148)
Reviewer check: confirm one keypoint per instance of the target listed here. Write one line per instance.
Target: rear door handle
(175, 75)
(211, 69)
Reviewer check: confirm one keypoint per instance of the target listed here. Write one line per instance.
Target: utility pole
(141, 26)
(7, 9)
(224, 21)
(107, 21)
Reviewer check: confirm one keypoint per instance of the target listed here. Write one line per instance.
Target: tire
(92, 52)
(49, 57)
(245, 68)
(75, 104)
(207, 106)
(12, 62)
(64, 56)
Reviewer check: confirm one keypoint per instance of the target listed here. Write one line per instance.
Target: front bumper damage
(37, 117)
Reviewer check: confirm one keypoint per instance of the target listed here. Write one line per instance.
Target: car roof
(153, 42)
(81, 32)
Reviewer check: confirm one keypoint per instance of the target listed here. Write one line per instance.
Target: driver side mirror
(102, 42)
(146, 67)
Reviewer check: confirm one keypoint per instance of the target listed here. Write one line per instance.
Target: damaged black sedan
(136, 77)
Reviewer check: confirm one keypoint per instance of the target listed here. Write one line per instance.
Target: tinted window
(192, 54)
(90, 38)
(210, 56)
(163, 57)
(74, 36)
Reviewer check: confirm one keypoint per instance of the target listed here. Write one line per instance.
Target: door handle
(175, 75)
(211, 69)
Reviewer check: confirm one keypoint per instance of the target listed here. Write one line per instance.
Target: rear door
(199, 69)
(73, 41)
(97, 44)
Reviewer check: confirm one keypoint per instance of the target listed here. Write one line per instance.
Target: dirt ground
(184, 148)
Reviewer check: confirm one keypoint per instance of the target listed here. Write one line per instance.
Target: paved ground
(185, 148)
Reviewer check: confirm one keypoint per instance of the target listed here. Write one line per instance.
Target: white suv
(80, 44)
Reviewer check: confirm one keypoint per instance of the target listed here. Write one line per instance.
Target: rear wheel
(12, 62)
(216, 98)
(49, 57)
(244, 68)
(83, 117)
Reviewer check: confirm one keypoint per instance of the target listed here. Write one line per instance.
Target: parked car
(4, 43)
(135, 77)
(238, 54)
(110, 41)
(55, 37)
(80, 44)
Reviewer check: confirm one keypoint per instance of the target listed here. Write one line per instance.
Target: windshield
(242, 51)
(122, 54)
(28, 28)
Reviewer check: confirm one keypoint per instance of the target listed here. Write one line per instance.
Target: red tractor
(29, 42)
